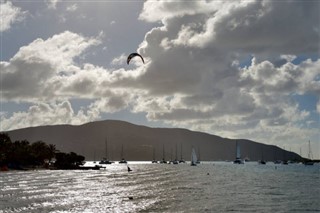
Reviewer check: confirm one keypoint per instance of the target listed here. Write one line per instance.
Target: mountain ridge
(139, 141)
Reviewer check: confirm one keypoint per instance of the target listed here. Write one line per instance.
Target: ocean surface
(208, 187)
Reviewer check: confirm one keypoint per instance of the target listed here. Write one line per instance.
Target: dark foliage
(19, 154)
(68, 160)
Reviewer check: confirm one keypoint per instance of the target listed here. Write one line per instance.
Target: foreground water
(208, 187)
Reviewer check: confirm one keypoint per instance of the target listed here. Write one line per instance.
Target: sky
(238, 69)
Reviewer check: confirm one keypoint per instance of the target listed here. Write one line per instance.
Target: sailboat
(154, 156)
(122, 158)
(262, 160)
(181, 159)
(175, 161)
(238, 159)
(309, 162)
(284, 162)
(163, 157)
(193, 157)
(106, 159)
(198, 161)
(276, 161)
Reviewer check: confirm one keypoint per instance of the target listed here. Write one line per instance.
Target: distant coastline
(142, 143)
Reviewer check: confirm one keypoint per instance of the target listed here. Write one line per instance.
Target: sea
(207, 187)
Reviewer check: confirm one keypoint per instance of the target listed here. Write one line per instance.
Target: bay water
(207, 187)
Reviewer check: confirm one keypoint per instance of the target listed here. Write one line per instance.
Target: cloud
(52, 4)
(228, 25)
(197, 73)
(10, 14)
(265, 78)
(163, 10)
(121, 60)
(72, 8)
(46, 114)
(197, 77)
(114, 101)
(59, 50)
(36, 71)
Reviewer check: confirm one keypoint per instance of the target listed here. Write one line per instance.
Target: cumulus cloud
(197, 77)
(52, 4)
(230, 24)
(10, 14)
(265, 78)
(198, 74)
(36, 71)
(121, 60)
(45, 114)
(72, 8)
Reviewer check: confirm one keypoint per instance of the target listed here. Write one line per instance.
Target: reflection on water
(209, 187)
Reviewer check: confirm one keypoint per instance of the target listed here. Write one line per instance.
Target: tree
(18, 154)
(39, 152)
(5, 147)
(52, 151)
(68, 160)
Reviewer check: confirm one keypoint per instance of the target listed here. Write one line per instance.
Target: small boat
(198, 161)
(262, 162)
(277, 162)
(193, 157)
(122, 158)
(154, 156)
(94, 157)
(238, 159)
(106, 160)
(181, 158)
(309, 162)
(175, 161)
(163, 161)
(123, 161)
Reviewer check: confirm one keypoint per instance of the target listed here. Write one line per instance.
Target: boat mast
(310, 153)
(300, 152)
(122, 152)
(163, 152)
(238, 153)
(106, 142)
(176, 151)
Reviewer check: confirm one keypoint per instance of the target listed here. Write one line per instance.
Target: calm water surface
(208, 187)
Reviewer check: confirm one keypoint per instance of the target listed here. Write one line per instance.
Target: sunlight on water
(209, 187)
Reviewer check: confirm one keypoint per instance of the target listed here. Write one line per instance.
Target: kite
(132, 55)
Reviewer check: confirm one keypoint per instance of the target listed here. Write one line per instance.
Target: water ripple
(163, 188)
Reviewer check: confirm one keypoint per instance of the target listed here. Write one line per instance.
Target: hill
(139, 142)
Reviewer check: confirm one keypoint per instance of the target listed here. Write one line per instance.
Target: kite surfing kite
(132, 55)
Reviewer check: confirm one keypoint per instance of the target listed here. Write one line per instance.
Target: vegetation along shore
(23, 155)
